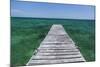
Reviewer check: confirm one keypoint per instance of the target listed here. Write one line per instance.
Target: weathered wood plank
(57, 47)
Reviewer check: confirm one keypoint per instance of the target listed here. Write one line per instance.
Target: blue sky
(48, 10)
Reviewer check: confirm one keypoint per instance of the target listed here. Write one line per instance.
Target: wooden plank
(57, 47)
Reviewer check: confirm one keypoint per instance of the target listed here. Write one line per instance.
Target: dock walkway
(56, 48)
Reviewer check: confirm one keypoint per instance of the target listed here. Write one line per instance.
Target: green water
(27, 34)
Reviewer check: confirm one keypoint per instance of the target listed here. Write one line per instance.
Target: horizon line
(51, 18)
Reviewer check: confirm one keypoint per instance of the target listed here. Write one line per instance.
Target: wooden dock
(56, 48)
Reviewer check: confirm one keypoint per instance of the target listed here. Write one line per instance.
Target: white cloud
(16, 11)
